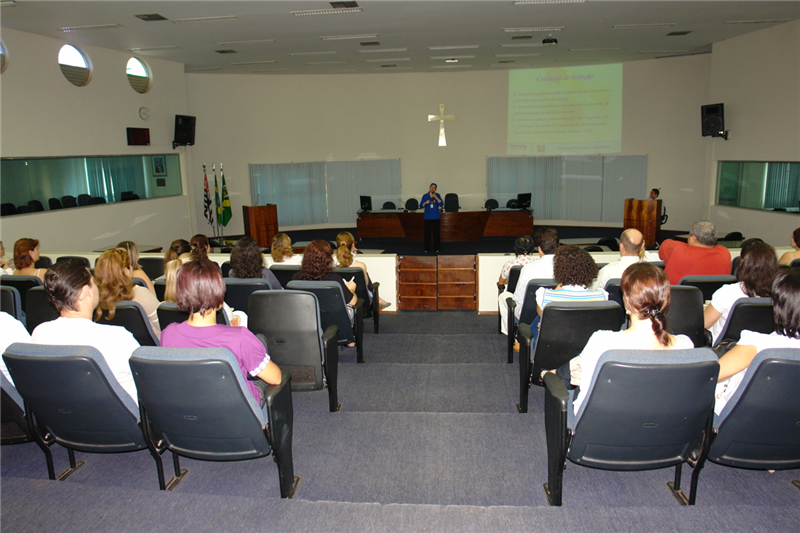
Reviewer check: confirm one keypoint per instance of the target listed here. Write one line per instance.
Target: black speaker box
(184, 130)
(713, 120)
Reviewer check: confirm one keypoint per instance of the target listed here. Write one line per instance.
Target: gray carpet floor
(428, 439)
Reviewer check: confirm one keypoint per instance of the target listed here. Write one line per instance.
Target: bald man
(631, 250)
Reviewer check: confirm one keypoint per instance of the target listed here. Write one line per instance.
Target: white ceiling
(399, 24)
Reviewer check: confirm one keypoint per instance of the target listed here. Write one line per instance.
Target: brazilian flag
(224, 211)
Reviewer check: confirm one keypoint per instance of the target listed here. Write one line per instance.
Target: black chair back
(615, 295)
(152, 266)
(198, 403)
(451, 202)
(14, 427)
(735, 262)
(10, 301)
(131, 316)
(490, 204)
(512, 204)
(284, 273)
(23, 209)
(758, 428)
(513, 278)
(54, 203)
(160, 285)
(69, 201)
(371, 307)
(389, 205)
(84, 199)
(412, 204)
(40, 309)
(795, 263)
(35, 205)
(43, 262)
(226, 269)
(22, 284)
(7, 209)
(528, 312)
(754, 314)
(610, 242)
(238, 291)
(288, 322)
(707, 284)
(685, 314)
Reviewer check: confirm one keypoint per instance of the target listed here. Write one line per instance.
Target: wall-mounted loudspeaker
(184, 131)
(713, 120)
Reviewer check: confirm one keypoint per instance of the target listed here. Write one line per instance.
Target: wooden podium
(261, 223)
(644, 215)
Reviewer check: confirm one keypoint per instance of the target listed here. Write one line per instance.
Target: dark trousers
(432, 231)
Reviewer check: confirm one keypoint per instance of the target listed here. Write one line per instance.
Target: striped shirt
(569, 293)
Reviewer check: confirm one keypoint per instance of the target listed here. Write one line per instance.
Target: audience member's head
(646, 292)
(345, 244)
(246, 258)
(524, 245)
(170, 273)
(786, 302)
(574, 266)
(199, 287)
(178, 247)
(654, 193)
(26, 253)
(133, 252)
(546, 239)
(64, 282)
(200, 245)
(317, 261)
(281, 248)
(704, 232)
(796, 239)
(757, 269)
(113, 275)
(631, 243)
(747, 244)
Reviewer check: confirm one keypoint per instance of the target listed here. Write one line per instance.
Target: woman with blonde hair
(281, 250)
(26, 253)
(175, 250)
(133, 253)
(113, 274)
(345, 257)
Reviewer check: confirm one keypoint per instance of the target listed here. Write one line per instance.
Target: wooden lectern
(644, 215)
(261, 223)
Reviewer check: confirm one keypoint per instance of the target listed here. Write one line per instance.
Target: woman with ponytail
(645, 290)
(346, 257)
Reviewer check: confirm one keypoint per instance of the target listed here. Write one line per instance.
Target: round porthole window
(74, 65)
(138, 75)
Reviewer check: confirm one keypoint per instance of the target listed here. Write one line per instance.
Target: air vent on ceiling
(226, 51)
(151, 17)
(678, 33)
(343, 5)
(388, 66)
(370, 43)
(507, 61)
(521, 37)
(773, 21)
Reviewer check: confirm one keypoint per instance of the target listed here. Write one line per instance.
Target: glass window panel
(769, 185)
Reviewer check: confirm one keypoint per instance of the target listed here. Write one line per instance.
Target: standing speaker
(713, 117)
(184, 130)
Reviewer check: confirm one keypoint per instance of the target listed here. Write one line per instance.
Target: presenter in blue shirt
(430, 203)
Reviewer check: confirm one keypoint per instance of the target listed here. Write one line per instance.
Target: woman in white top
(786, 314)
(755, 274)
(281, 251)
(26, 253)
(646, 292)
(114, 277)
(5, 268)
(788, 257)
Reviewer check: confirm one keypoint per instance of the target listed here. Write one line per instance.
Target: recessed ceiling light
(451, 66)
(644, 26)
(151, 17)
(392, 67)
(341, 70)
(678, 33)
(272, 70)
(202, 69)
(327, 53)
(344, 37)
(255, 41)
(454, 47)
(516, 55)
(663, 51)
(344, 4)
(325, 63)
(521, 37)
(526, 30)
(325, 11)
(149, 48)
(577, 60)
(452, 57)
(369, 51)
(385, 59)
(224, 18)
(91, 27)
(773, 21)
(591, 49)
(370, 43)
(519, 45)
(254, 62)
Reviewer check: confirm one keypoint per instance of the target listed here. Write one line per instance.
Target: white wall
(245, 119)
(757, 77)
(45, 115)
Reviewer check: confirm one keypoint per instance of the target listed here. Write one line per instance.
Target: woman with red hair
(26, 253)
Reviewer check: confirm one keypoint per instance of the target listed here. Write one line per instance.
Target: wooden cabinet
(428, 283)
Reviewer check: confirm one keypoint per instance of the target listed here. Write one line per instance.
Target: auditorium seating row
(65, 202)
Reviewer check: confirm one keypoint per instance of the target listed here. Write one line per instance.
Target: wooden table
(458, 226)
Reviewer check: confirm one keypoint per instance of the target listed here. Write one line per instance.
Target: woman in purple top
(201, 292)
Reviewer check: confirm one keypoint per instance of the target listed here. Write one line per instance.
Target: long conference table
(457, 226)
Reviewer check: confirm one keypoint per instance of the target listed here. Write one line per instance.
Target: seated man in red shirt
(701, 256)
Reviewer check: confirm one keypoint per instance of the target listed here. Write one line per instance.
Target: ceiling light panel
(386, 59)
(374, 50)
(90, 27)
(345, 37)
(255, 41)
(325, 11)
(527, 30)
(774, 21)
(392, 67)
(454, 47)
(592, 49)
(452, 57)
(326, 63)
(326, 53)
(663, 51)
(451, 66)
(526, 2)
(254, 62)
(151, 48)
(516, 55)
(224, 18)
(644, 26)
(519, 45)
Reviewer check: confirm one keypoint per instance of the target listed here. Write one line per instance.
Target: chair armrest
(500, 289)
(556, 403)
(359, 305)
(525, 339)
(331, 366)
(709, 339)
(375, 286)
(280, 427)
(272, 394)
(329, 337)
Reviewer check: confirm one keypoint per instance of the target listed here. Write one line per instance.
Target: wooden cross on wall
(441, 117)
